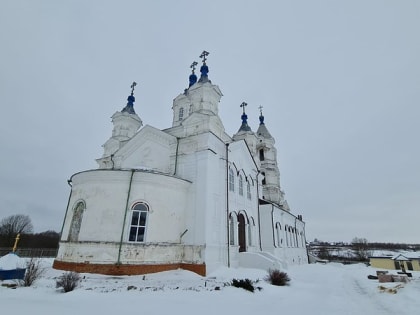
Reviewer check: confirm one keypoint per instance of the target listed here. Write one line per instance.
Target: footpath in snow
(314, 289)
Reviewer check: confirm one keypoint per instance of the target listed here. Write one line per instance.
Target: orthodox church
(189, 196)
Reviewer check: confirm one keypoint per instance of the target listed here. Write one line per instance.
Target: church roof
(263, 132)
(262, 129)
(244, 126)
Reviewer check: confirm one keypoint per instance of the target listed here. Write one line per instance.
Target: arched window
(191, 109)
(293, 237)
(251, 226)
(263, 179)
(303, 239)
(248, 190)
(232, 231)
(181, 113)
(290, 236)
(279, 236)
(138, 222)
(76, 222)
(241, 185)
(261, 154)
(231, 180)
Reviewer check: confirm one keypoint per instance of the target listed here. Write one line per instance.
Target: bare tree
(16, 224)
(360, 247)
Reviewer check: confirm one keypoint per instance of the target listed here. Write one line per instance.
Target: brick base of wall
(123, 270)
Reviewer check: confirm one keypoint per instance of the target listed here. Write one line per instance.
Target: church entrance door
(241, 233)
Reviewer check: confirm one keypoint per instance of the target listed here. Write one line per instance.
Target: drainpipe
(258, 207)
(227, 204)
(304, 237)
(112, 155)
(69, 182)
(273, 227)
(125, 216)
(176, 155)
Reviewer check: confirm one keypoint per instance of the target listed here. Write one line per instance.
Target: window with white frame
(241, 185)
(138, 222)
(231, 180)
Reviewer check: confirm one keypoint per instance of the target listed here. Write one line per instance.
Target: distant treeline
(394, 246)
(359, 251)
(47, 239)
(369, 245)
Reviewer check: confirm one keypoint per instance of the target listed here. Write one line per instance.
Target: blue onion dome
(193, 77)
(204, 70)
(261, 119)
(129, 108)
(244, 117)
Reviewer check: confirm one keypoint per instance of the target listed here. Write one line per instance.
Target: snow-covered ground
(314, 289)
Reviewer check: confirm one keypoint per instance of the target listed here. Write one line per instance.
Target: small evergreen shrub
(68, 281)
(277, 277)
(244, 284)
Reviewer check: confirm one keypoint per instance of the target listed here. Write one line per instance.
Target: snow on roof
(396, 255)
(11, 261)
(406, 256)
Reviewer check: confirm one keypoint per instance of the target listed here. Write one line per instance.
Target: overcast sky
(339, 82)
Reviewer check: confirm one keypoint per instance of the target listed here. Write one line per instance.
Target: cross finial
(16, 242)
(260, 108)
(203, 55)
(193, 65)
(243, 106)
(132, 87)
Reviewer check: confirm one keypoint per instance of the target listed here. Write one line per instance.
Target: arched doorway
(241, 233)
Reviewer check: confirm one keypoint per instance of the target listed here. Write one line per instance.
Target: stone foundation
(124, 270)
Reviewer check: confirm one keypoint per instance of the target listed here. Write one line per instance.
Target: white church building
(189, 196)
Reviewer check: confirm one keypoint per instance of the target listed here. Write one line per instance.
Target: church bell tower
(126, 123)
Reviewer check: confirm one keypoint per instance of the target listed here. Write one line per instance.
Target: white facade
(189, 196)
